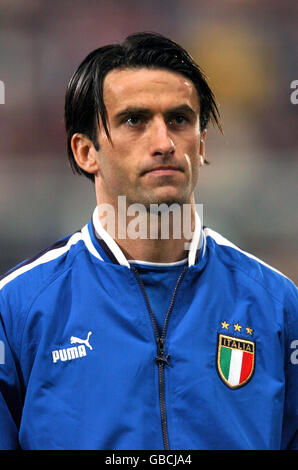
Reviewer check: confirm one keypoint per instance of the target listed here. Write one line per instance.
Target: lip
(163, 170)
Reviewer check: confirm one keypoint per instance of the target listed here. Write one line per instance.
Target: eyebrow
(184, 108)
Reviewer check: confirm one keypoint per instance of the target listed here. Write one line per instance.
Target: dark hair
(84, 96)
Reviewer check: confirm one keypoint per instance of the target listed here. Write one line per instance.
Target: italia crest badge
(235, 360)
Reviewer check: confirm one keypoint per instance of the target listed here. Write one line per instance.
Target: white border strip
(102, 233)
(149, 263)
(88, 242)
(48, 256)
(196, 242)
(220, 240)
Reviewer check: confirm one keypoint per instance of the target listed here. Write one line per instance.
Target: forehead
(148, 87)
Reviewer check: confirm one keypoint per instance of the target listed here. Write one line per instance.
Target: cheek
(193, 155)
(111, 158)
(126, 155)
(191, 141)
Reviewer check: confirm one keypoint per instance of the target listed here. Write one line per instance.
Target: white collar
(108, 244)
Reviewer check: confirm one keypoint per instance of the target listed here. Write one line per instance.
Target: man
(118, 341)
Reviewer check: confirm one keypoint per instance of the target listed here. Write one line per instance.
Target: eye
(134, 120)
(178, 120)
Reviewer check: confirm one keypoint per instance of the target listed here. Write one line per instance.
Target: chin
(163, 195)
(166, 201)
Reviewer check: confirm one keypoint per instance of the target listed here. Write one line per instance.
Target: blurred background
(248, 49)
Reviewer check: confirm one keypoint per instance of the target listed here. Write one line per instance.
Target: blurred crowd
(247, 48)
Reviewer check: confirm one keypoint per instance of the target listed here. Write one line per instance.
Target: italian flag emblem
(235, 360)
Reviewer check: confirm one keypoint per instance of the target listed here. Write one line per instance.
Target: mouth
(163, 170)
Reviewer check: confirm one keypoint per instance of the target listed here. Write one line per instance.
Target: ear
(84, 153)
(202, 146)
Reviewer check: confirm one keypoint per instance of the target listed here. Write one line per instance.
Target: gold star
(238, 327)
(225, 325)
(249, 330)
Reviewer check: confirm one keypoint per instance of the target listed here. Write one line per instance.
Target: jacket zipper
(161, 360)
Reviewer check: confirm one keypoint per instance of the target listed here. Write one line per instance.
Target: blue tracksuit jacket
(83, 365)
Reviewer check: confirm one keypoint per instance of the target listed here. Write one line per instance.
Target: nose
(161, 142)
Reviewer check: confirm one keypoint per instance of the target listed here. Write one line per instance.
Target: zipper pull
(160, 359)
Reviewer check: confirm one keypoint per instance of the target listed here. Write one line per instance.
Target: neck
(161, 237)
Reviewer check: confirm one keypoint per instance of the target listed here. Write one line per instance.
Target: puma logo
(74, 339)
(75, 352)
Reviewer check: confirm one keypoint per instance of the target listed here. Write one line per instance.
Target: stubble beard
(148, 199)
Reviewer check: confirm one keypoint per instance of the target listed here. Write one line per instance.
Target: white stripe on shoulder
(48, 256)
(220, 240)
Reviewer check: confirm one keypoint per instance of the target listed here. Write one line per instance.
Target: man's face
(154, 153)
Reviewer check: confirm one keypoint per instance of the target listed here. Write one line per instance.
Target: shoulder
(255, 271)
(34, 286)
(28, 277)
